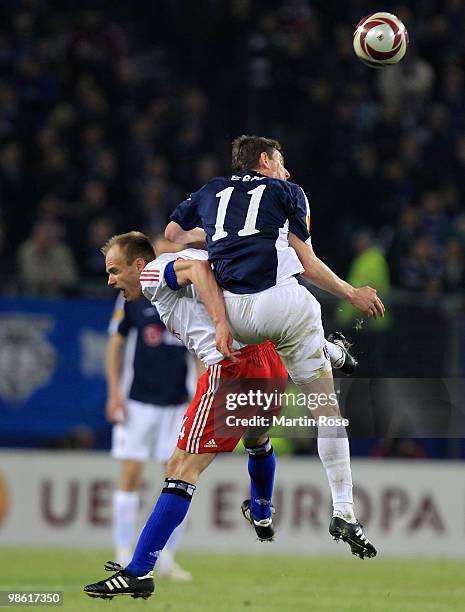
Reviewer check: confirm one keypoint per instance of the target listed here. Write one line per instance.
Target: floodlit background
(113, 112)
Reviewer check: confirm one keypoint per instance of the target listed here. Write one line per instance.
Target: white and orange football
(380, 39)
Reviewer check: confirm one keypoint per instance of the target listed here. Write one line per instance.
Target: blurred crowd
(112, 113)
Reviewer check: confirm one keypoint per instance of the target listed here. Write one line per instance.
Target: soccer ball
(380, 39)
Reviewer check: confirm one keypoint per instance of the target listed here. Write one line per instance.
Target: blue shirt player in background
(257, 226)
(148, 372)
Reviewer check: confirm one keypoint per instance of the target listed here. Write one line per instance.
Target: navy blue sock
(262, 464)
(169, 512)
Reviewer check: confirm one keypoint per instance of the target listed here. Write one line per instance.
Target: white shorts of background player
(149, 432)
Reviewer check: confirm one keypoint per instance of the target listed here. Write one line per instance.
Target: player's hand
(367, 300)
(224, 341)
(115, 409)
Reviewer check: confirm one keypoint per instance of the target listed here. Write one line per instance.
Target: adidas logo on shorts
(211, 444)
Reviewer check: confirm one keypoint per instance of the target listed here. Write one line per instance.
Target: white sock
(336, 354)
(165, 560)
(166, 557)
(125, 510)
(334, 453)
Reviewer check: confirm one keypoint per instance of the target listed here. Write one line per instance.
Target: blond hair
(133, 245)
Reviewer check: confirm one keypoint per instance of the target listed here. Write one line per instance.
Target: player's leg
(303, 353)
(131, 445)
(188, 467)
(168, 432)
(334, 453)
(309, 367)
(338, 350)
(136, 580)
(182, 473)
(258, 510)
(290, 316)
(183, 470)
(261, 467)
(333, 445)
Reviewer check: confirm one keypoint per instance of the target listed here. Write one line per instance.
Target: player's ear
(140, 263)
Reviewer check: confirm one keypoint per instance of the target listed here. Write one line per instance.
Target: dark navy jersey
(247, 217)
(160, 361)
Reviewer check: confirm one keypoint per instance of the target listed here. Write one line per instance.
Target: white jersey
(182, 311)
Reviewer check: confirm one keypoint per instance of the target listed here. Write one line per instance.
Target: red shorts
(199, 429)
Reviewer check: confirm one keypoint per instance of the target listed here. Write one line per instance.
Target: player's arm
(115, 407)
(199, 273)
(185, 222)
(318, 273)
(175, 233)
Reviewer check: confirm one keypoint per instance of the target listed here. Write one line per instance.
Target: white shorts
(290, 316)
(149, 432)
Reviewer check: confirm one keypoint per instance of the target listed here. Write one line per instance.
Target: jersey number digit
(252, 212)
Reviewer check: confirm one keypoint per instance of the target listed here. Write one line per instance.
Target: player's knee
(187, 466)
(174, 466)
(253, 442)
(180, 466)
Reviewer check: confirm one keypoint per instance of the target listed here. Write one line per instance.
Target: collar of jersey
(244, 172)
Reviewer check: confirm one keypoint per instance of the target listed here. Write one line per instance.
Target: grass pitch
(235, 583)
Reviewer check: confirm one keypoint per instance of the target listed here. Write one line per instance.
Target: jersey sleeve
(158, 278)
(299, 214)
(186, 214)
(153, 279)
(119, 323)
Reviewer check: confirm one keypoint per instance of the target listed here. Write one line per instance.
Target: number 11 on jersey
(252, 212)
